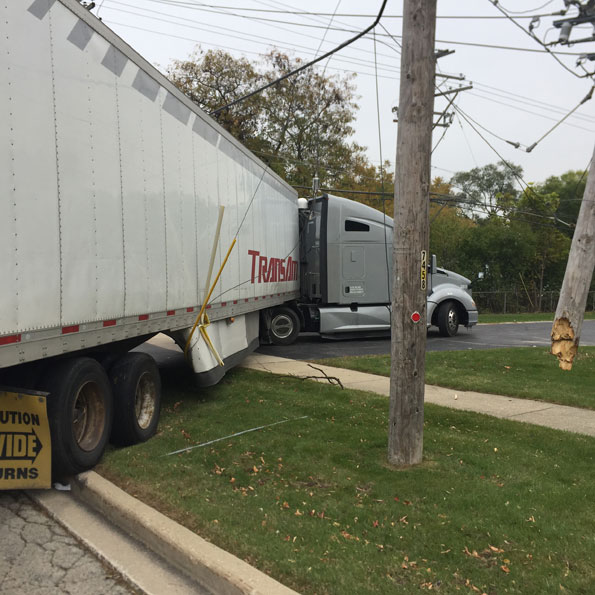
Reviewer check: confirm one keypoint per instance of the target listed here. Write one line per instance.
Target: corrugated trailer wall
(111, 182)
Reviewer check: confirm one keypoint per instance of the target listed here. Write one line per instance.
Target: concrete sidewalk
(559, 417)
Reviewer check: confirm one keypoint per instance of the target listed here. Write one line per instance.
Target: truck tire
(285, 326)
(448, 319)
(80, 414)
(136, 385)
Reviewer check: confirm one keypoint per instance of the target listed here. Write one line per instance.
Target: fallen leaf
(504, 568)
(473, 554)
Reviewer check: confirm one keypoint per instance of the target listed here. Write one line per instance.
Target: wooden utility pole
(570, 312)
(411, 233)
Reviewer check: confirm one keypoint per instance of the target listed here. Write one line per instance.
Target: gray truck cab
(346, 274)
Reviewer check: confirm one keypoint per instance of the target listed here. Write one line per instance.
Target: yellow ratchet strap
(201, 314)
(203, 331)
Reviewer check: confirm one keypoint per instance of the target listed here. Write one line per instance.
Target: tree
(448, 224)
(215, 78)
(490, 189)
(536, 213)
(569, 187)
(298, 126)
(500, 249)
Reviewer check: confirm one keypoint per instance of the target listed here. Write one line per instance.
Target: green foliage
(298, 126)
(536, 215)
(518, 239)
(569, 188)
(488, 190)
(449, 226)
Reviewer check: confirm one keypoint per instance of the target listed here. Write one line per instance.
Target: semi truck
(126, 211)
(346, 278)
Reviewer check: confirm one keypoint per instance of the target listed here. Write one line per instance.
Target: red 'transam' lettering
(271, 270)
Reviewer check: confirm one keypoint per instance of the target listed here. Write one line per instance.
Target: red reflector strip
(70, 329)
(10, 339)
(109, 323)
(235, 301)
(189, 309)
(208, 307)
(223, 304)
(143, 317)
(171, 312)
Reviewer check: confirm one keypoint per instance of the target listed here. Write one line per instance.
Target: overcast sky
(517, 95)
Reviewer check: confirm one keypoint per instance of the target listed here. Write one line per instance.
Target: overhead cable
(304, 66)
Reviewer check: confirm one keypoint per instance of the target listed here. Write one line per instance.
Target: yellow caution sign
(25, 446)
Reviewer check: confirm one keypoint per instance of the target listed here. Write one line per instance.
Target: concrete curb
(216, 569)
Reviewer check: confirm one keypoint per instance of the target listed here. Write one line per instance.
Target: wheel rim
(88, 416)
(145, 400)
(453, 319)
(282, 326)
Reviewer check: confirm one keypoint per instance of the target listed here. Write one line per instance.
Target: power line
(354, 60)
(522, 99)
(328, 14)
(348, 30)
(245, 51)
(240, 34)
(586, 98)
(520, 109)
(304, 66)
(521, 12)
(535, 38)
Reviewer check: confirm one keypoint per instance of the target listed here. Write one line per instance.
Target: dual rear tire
(87, 405)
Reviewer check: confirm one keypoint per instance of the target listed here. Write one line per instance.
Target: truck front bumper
(473, 318)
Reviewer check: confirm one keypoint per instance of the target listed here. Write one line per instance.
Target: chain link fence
(515, 301)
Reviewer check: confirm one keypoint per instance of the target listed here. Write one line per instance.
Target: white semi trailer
(112, 230)
(111, 183)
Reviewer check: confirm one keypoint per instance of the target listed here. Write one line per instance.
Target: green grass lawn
(524, 372)
(496, 506)
(524, 317)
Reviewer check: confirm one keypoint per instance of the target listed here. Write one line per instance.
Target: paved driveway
(483, 336)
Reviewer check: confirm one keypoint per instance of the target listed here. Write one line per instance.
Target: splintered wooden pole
(411, 234)
(570, 312)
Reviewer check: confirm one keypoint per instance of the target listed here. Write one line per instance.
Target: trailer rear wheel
(137, 398)
(448, 319)
(80, 414)
(285, 326)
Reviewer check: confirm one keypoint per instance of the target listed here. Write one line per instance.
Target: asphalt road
(483, 336)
